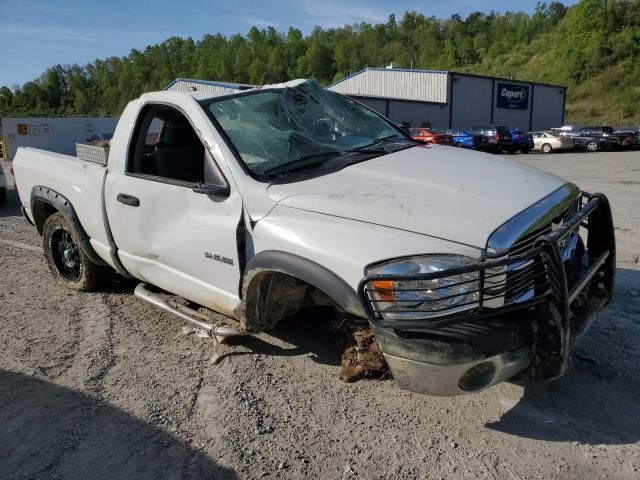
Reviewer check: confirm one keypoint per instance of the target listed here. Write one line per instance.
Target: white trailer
(53, 134)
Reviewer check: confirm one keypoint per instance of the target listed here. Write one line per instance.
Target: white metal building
(443, 99)
(58, 135)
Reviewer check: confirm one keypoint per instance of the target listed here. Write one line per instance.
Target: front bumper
(468, 352)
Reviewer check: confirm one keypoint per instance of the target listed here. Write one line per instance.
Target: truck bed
(78, 180)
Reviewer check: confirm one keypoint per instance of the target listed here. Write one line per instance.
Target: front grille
(517, 281)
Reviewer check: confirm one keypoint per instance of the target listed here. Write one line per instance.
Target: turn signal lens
(384, 290)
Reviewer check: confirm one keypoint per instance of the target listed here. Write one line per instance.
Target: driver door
(167, 233)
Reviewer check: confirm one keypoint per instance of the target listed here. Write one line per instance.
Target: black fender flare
(307, 271)
(41, 195)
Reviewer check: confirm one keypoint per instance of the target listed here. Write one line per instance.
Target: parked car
(584, 141)
(427, 135)
(547, 142)
(605, 135)
(498, 136)
(468, 269)
(466, 139)
(3, 187)
(521, 141)
(628, 136)
(624, 139)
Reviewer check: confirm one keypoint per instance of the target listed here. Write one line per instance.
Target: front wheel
(67, 261)
(546, 148)
(592, 147)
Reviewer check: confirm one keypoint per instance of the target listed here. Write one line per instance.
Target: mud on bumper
(465, 353)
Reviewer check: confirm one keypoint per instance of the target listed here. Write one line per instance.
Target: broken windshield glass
(273, 128)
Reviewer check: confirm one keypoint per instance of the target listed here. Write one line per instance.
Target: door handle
(129, 200)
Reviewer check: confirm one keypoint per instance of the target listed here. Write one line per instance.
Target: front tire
(546, 148)
(67, 261)
(592, 147)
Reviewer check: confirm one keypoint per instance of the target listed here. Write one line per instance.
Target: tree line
(593, 47)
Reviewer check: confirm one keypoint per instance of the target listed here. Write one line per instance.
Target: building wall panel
(548, 107)
(470, 101)
(418, 114)
(377, 104)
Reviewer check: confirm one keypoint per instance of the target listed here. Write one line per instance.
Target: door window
(166, 147)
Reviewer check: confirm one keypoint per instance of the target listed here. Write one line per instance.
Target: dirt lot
(104, 386)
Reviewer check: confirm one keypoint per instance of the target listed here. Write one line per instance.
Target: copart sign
(513, 96)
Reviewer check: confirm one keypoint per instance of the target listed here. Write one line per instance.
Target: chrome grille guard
(561, 310)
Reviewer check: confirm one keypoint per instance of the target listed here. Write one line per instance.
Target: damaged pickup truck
(470, 269)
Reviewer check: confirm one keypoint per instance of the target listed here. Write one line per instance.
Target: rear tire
(546, 148)
(592, 147)
(67, 261)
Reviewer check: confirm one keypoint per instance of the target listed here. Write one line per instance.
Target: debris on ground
(361, 353)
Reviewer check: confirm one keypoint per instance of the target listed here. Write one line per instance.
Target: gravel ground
(104, 386)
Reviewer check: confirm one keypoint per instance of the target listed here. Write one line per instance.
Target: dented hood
(444, 192)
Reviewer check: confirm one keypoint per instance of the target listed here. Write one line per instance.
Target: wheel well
(270, 296)
(41, 211)
(45, 202)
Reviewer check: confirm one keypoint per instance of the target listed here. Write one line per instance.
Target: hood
(444, 192)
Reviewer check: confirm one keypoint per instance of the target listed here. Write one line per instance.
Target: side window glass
(166, 146)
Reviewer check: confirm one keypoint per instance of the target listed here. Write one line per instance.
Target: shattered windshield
(284, 130)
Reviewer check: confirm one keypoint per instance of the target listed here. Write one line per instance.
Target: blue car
(466, 139)
(521, 141)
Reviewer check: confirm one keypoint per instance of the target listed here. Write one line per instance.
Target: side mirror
(212, 189)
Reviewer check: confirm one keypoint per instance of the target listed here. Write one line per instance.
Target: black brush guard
(561, 309)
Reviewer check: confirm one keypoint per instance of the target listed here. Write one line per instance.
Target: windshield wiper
(304, 161)
(383, 138)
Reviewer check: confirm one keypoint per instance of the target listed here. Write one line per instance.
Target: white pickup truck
(469, 268)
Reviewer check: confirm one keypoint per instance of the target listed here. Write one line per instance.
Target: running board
(190, 315)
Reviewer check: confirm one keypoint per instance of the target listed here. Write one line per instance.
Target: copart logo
(512, 96)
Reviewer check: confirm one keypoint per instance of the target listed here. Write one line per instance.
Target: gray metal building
(191, 85)
(443, 99)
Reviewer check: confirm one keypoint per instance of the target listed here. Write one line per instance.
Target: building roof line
(415, 70)
(237, 86)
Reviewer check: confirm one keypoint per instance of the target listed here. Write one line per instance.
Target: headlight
(399, 297)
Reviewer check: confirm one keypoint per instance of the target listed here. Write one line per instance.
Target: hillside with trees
(593, 50)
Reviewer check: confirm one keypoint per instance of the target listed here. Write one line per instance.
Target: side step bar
(190, 315)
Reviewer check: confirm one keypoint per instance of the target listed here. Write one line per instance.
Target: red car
(430, 136)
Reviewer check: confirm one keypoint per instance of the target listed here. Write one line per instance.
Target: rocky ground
(104, 386)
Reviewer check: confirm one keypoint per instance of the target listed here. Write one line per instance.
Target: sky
(36, 34)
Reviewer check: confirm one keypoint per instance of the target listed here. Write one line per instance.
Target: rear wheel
(546, 148)
(67, 261)
(592, 146)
